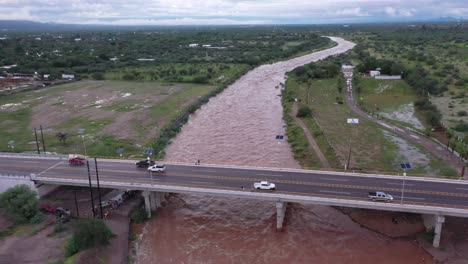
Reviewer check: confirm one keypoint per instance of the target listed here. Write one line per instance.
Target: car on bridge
(157, 168)
(77, 160)
(144, 163)
(264, 185)
(380, 196)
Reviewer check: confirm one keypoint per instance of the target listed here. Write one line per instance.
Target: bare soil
(34, 244)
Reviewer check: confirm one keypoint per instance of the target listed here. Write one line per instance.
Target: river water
(238, 127)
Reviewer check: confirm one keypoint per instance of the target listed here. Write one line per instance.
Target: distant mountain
(446, 19)
(31, 26)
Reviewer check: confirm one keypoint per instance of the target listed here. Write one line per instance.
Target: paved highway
(443, 193)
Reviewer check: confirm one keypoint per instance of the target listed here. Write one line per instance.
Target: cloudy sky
(220, 12)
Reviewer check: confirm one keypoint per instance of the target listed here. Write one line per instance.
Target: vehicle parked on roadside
(264, 185)
(144, 163)
(157, 168)
(380, 196)
(62, 214)
(77, 160)
(46, 208)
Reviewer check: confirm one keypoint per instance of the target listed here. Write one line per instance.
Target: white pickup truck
(264, 185)
(380, 196)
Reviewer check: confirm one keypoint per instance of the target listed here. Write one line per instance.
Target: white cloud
(399, 12)
(224, 11)
(186, 21)
(356, 11)
(458, 11)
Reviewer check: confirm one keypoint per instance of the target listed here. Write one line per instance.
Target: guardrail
(33, 155)
(274, 197)
(16, 176)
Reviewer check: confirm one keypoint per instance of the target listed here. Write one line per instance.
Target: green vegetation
(88, 233)
(21, 204)
(98, 52)
(138, 216)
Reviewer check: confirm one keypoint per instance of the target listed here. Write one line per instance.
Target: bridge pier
(434, 222)
(280, 212)
(146, 195)
(439, 220)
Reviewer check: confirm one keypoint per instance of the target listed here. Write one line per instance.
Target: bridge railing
(34, 155)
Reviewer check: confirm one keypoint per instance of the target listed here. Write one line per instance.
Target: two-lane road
(443, 193)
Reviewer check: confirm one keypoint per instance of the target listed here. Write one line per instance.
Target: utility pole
(91, 190)
(37, 142)
(76, 203)
(43, 142)
(99, 188)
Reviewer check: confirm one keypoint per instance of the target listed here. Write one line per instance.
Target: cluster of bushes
(420, 80)
(21, 204)
(322, 69)
(88, 233)
(430, 111)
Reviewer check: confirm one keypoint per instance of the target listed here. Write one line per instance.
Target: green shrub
(138, 216)
(60, 227)
(304, 111)
(20, 203)
(37, 218)
(71, 247)
(91, 232)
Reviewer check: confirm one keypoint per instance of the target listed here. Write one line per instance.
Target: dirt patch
(5, 221)
(34, 244)
(405, 113)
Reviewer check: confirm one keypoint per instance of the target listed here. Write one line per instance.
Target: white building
(193, 45)
(68, 76)
(374, 73)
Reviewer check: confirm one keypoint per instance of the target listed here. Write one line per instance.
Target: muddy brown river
(238, 127)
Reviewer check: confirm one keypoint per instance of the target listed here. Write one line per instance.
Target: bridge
(434, 198)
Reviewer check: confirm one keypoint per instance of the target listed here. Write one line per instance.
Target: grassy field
(113, 114)
(371, 149)
(385, 95)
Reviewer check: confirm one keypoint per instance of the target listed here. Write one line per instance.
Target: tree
(62, 137)
(88, 233)
(20, 202)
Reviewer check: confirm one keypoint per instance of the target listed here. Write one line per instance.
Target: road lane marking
(399, 184)
(203, 170)
(330, 179)
(463, 189)
(51, 167)
(409, 197)
(334, 192)
(272, 175)
(202, 182)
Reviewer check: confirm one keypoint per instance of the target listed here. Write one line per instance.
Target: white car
(264, 185)
(157, 168)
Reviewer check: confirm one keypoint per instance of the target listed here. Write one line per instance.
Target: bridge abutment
(280, 212)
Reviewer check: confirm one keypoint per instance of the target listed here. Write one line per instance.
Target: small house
(68, 76)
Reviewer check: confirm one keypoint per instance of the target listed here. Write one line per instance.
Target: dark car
(144, 163)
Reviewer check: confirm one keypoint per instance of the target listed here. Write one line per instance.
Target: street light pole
(81, 131)
(403, 189)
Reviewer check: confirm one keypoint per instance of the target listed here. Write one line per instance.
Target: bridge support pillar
(146, 195)
(153, 199)
(157, 196)
(280, 212)
(439, 220)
